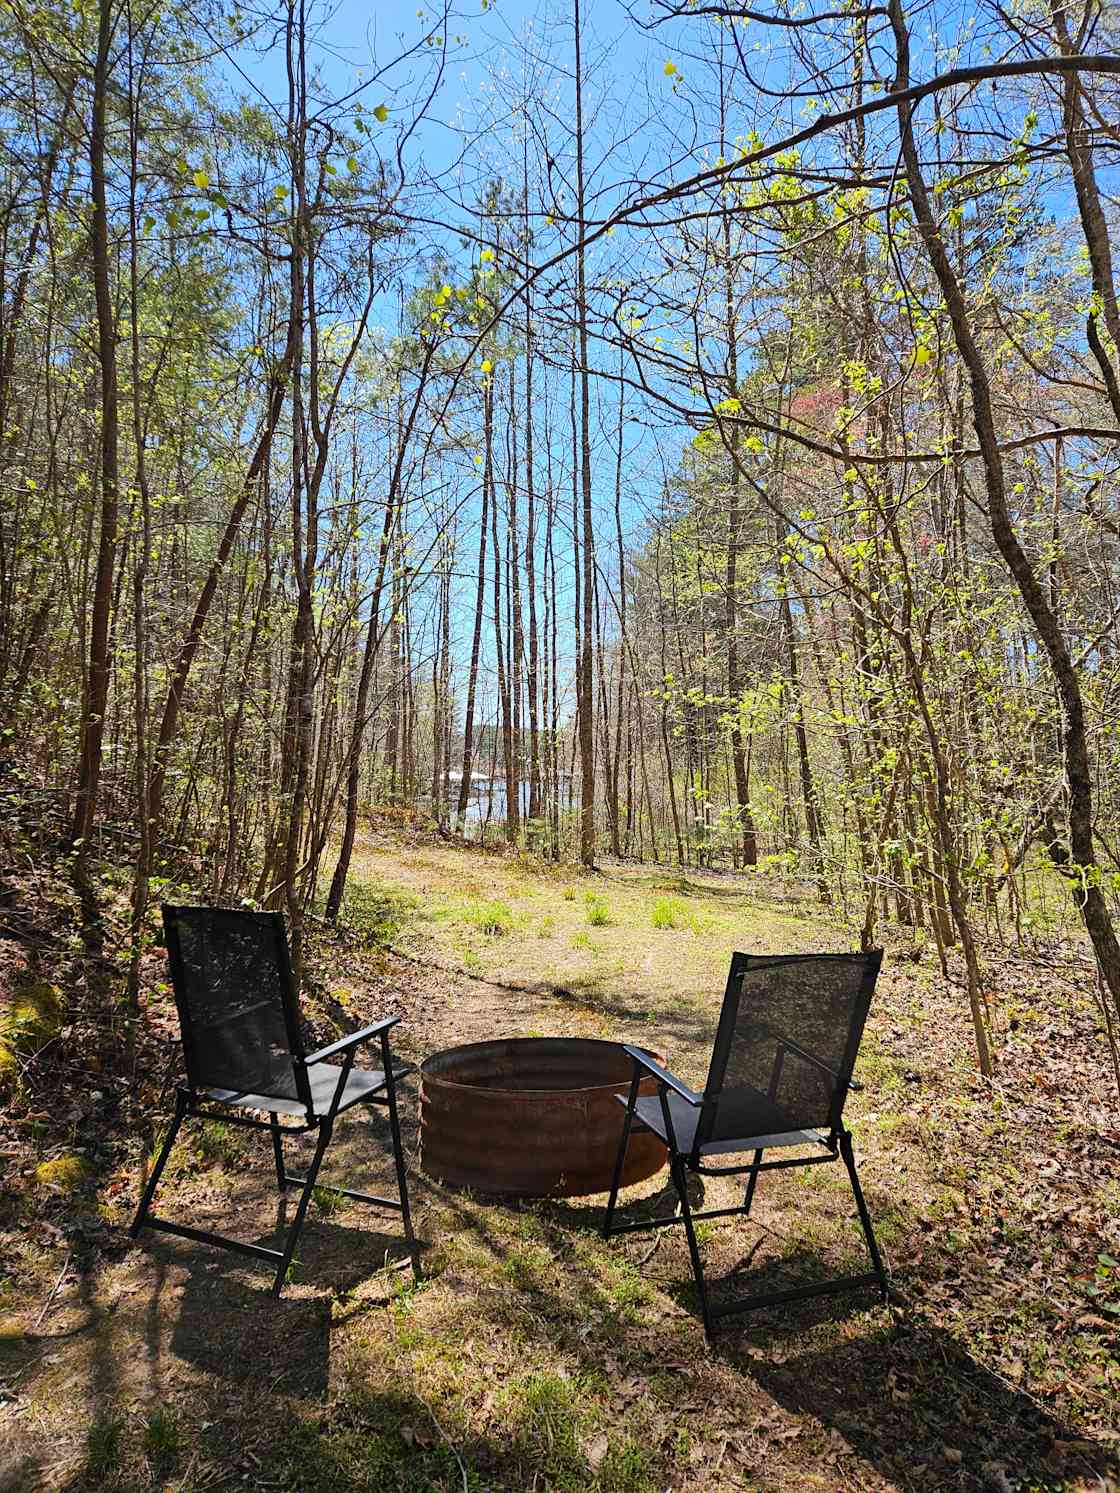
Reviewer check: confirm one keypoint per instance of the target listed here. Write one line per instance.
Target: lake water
(487, 801)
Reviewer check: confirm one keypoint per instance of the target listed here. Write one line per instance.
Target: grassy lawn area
(534, 1355)
(623, 939)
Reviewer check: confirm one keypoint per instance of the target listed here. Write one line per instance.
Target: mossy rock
(35, 1016)
(64, 1172)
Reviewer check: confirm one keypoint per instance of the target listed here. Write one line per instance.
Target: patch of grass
(878, 1072)
(548, 1415)
(216, 1143)
(526, 1265)
(376, 913)
(598, 913)
(492, 918)
(104, 1446)
(327, 1200)
(585, 942)
(546, 927)
(374, 1442)
(625, 1285)
(669, 912)
(629, 1466)
(569, 894)
(162, 1441)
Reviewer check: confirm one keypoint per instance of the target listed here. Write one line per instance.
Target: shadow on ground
(914, 1403)
(230, 1325)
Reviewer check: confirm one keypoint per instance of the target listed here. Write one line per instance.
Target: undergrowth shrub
(493, 918)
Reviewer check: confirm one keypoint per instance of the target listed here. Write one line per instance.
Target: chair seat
(323, 1078)
(759, 1123)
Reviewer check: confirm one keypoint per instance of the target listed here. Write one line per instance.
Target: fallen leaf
(596, 1449)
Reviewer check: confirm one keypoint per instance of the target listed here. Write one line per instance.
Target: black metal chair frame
(835, 1145)
(193, 1102)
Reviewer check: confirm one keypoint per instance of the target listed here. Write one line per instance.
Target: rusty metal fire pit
(531, 1117)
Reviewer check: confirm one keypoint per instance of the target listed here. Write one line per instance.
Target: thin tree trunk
(586, 680)
(476, 635)
(100, 657)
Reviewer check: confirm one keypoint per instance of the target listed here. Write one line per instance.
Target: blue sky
(624, 80)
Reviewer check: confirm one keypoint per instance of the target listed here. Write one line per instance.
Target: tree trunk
(100, 660)
(586, 644)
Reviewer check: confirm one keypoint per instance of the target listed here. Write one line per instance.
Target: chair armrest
(663, 1075)
(808, 1057)
(344, 1043)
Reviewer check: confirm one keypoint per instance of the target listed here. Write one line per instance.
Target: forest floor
(533, 1355)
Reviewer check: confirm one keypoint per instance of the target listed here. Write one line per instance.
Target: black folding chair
(239, 1021)
(781, 1068)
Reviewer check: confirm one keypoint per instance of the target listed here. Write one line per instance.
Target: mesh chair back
(786, 1044)
(237, 1003)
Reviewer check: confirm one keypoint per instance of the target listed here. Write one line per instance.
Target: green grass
(327, 1200)
(378, 914)
(547, 1414)
(216, 1143)
(629, 1466)
(104, 1446)
(465, 911)
(670, 912)
(373, 1442)
(493, 918)
(598, 913)
(162, 1441)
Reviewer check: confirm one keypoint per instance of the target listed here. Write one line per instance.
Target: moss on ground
(34, 1018)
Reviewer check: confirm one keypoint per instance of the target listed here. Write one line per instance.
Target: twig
(652, 1250)
(54, 1293)
(451, 1445)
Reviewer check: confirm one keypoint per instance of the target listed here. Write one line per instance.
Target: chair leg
(864, 1217)
(157, 1170)
(325, 1129)
(398, 1161)
(749, 1198)
(681, 1183)
(278, 1152)
(620, 1159)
